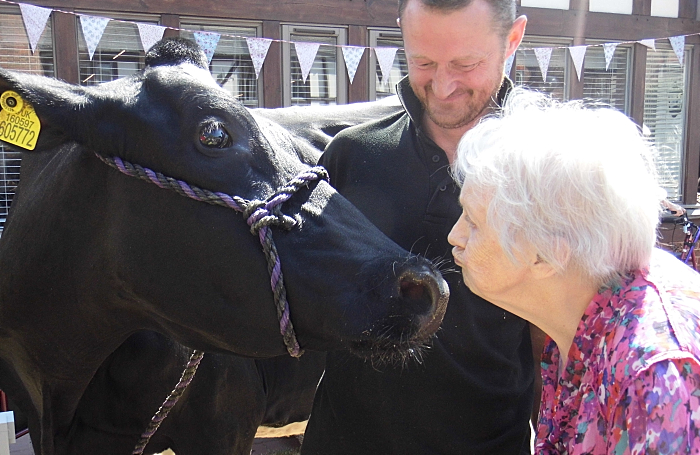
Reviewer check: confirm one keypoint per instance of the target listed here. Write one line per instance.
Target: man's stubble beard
(472, 111)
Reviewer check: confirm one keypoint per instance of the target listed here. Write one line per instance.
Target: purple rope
(169, 402)
(260, 215)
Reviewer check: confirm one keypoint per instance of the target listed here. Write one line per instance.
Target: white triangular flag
(352, 56)
(306, 54)
(577, 55)
(258, 47)
(509, 64)
(650, 43)
(34, 18)
(207, 41)
(678, 45)
(93, 28)
(150, 34)
(609, 49)
(385, 57)
(543, 54)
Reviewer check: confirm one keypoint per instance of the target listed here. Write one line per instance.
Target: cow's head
(184, 267)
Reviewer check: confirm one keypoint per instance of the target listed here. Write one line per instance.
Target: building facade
(641, 56)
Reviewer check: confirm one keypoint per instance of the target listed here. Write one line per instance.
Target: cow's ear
(39, 106)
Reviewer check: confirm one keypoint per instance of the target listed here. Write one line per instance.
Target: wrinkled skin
(90, 256)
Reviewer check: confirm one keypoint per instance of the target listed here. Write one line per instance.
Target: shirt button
(443, 187)
(436, 158)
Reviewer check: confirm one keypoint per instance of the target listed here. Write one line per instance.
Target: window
(16, 55)
(609, 86)
(665, 102)
(326, 81)
(118, 54)
(386, 38)
(528, 73)
(231, 64)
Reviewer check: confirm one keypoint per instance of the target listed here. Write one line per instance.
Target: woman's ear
(544, 269)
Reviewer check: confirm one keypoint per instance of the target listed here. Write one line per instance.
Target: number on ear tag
(19, 124)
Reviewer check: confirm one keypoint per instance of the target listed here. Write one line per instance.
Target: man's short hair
(503, 10)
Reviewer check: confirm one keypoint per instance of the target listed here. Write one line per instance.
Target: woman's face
(486, 268)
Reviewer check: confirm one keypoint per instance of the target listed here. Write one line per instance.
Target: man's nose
(443, 83)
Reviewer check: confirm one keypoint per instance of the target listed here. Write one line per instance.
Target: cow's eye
(214, 136)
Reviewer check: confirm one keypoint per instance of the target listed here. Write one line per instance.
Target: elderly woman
(559, 225)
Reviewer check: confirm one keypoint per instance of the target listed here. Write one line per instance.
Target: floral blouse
(631, 382)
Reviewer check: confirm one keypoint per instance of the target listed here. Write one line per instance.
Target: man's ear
(515, 35)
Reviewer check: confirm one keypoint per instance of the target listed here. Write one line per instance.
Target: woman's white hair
(576, 183)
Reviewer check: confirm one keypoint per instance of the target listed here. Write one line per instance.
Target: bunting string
(36, 17)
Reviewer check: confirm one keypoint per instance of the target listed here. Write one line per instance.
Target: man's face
(455, 60)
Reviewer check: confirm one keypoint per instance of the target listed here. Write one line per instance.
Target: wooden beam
(65, 36)
(687, 9)
(638, 83)
(346, 12)
(170, 20)
(358, 91)
(691, 163)
(272, 69)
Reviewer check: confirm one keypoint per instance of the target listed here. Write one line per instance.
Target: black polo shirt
(473, 392)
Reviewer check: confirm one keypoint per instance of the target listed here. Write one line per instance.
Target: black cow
(231, 396)
(90, 256)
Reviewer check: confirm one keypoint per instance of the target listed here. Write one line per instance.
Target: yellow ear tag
(19, 124)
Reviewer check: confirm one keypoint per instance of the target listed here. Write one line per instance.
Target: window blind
(231, 64)
(608, 86)
(398, 70)
(665, 102)
(118, 54)
(528, 73)
(16, 55)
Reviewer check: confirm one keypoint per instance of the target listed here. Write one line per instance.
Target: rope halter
(259, 214)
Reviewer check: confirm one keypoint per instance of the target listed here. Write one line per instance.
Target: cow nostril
(412, 290)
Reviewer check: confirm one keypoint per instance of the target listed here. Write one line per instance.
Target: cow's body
(90, 256)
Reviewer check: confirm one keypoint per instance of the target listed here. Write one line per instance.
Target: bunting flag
(352, 56)
(577, 55)
(543, 54)
(150, 34)
(306, 53)
(678, 45)
(93, 28)
(385, 57)
(258, 47)
(609, 49)
(34, 18)
(509, 64)
(650, 43)
(207, 41)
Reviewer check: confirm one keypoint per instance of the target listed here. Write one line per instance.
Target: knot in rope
(269, 213)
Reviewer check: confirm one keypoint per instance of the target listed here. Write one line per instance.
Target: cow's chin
(389, 348)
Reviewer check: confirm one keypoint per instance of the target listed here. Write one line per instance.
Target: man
(473, 392)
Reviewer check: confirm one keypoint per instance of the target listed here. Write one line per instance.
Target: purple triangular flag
(150, 34)
(34, 18)
(385, 57)
(93, 28)
(258, 47)
(207, 41)
(352, 56)
(306, 54)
